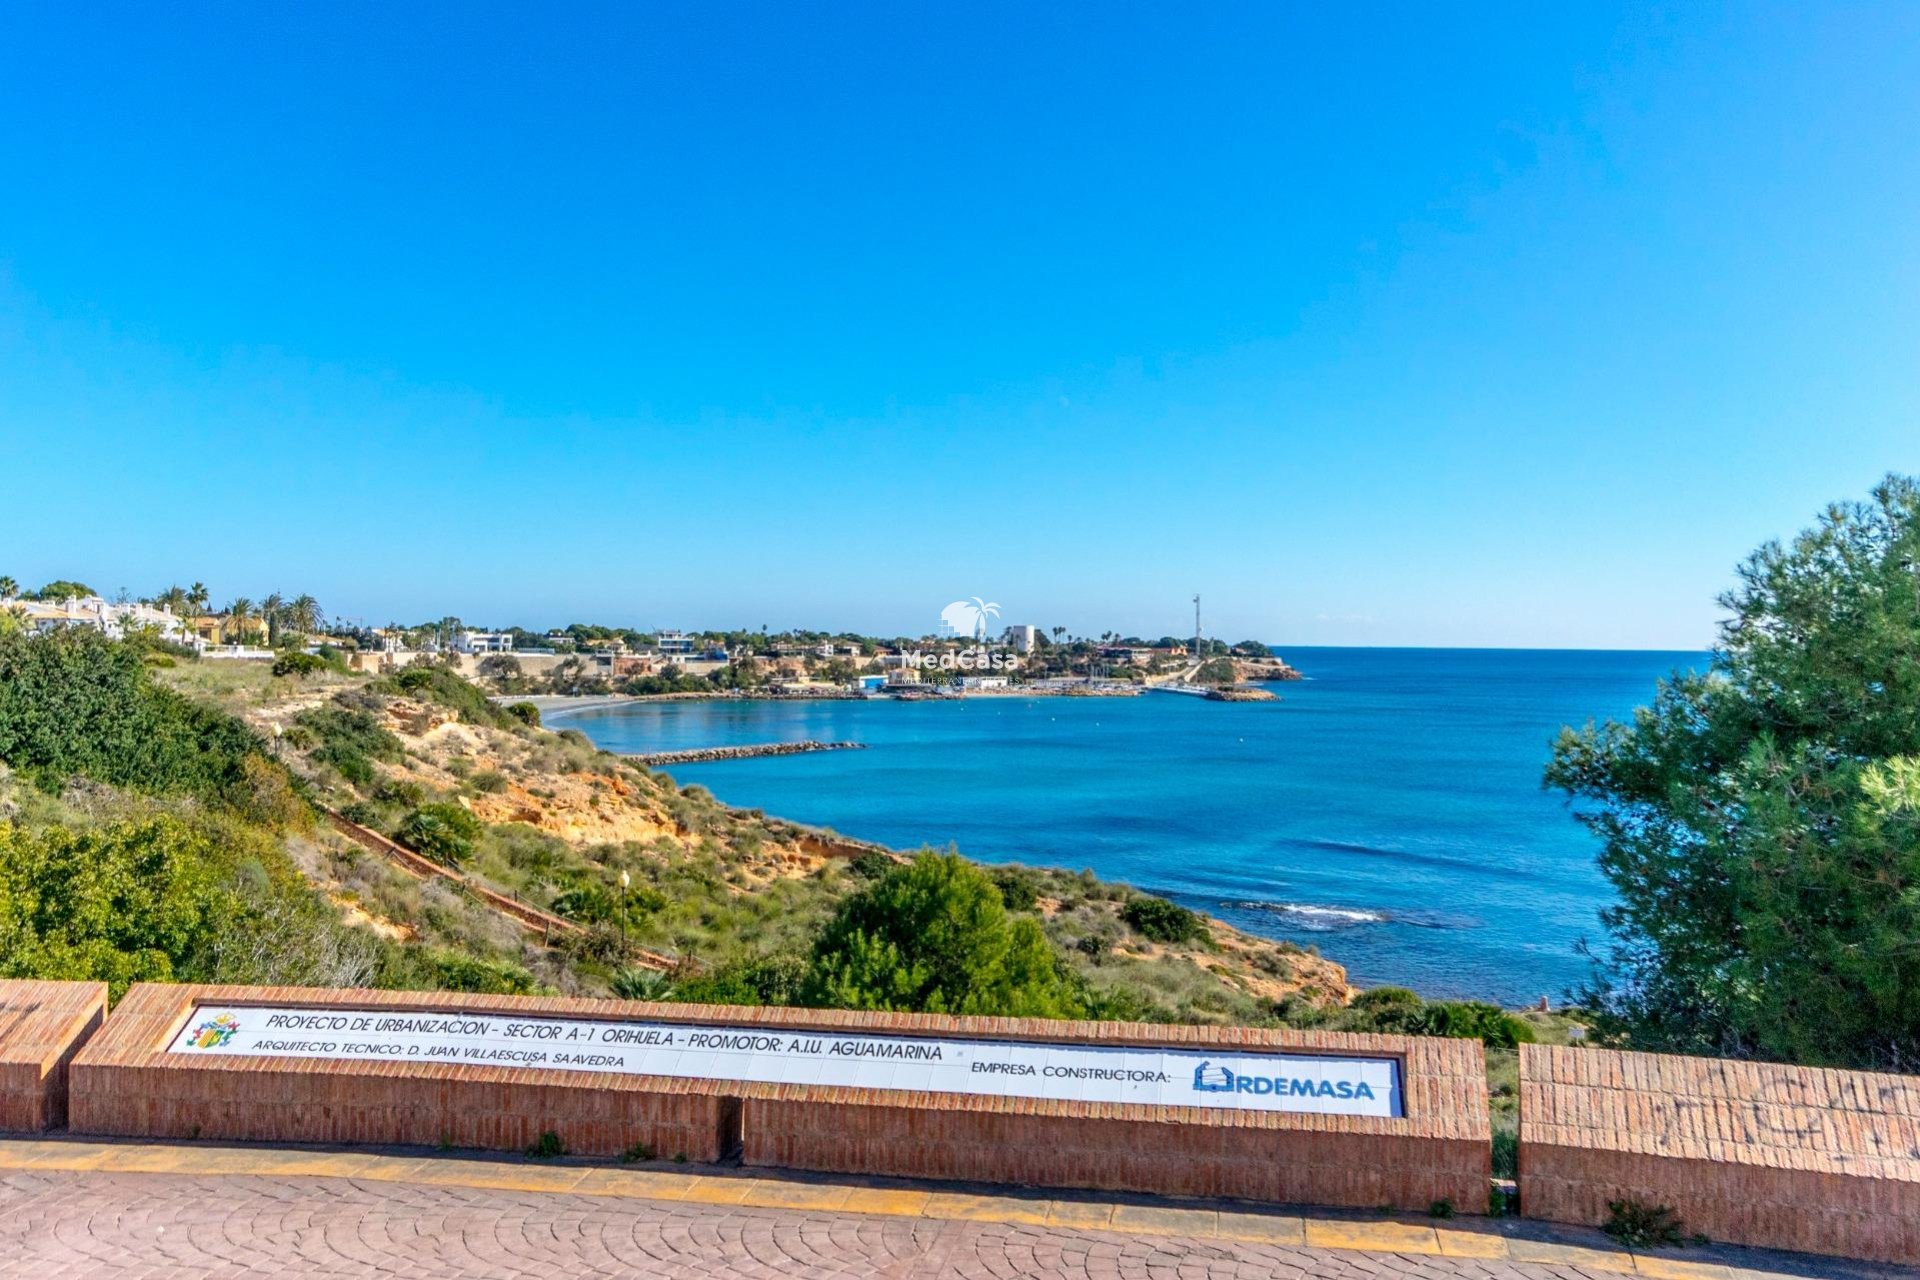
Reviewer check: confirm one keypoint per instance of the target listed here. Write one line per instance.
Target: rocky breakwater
(1249, 669)
(703, 755)
(1241, 693)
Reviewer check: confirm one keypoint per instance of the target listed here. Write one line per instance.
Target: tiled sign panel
(1069, 1073)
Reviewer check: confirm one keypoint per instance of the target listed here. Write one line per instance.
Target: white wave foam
(1319, 919)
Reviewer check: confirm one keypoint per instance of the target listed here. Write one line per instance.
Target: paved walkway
(71, 1208)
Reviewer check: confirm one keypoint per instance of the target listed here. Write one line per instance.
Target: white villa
(102, 615)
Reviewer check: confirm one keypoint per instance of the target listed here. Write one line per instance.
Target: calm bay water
(1388, 809)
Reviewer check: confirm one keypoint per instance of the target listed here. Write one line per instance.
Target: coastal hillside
(433, 838)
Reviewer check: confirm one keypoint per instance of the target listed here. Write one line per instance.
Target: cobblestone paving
(60, 1224)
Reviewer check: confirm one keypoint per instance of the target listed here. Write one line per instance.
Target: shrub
(1017, 888)
(77, 702)
(163, 900)
(547, 1147)
(525, 712)
(871, 865)
(1640, 1226)
(400, 791)
(455, 971)
(764, 980)
(443, 832)
(636, 1153)
(488, 782)
(1161, 921)
(1472, 1020)
(640, 984)
(438, 684)
(933, 936)
(296, 663)
(351, 738)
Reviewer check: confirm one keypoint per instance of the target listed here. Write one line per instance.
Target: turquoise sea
(1387, 810)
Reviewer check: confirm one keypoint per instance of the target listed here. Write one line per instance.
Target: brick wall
(1750, 1153)
(1439, 1150)
(42, 1025)
(125, 1083)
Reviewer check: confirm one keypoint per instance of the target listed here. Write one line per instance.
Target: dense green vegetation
(77, 703)
(1761, 819)
(1158, 920)
(935, 936)
(165, 899)
(444, 832)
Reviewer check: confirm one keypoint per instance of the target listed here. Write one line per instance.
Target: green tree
(934, 936)
(273, 612)
(239, 619)
(8, 588)
(1758, 820)
(60, 589)
(304, 615)
(126, 905)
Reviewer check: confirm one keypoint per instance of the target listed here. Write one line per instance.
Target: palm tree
(8, 588)
(238, 612)
(197, 598)
(273, 611)
(304, 614)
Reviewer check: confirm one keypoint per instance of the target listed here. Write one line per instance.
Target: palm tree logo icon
(968, 617)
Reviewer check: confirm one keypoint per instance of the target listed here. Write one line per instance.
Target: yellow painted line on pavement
(887, 1202)
(1570, 1255)
(1262, 1228)
(1080, 1215)
(1470, 1244)
(823, 1196)
(639, 1184)
(1154, 1220)
(1680, 1269)
(761, 1192)
(1376, 1237)
(954, 1207)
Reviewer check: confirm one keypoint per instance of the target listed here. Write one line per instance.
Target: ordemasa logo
(1208, 1078)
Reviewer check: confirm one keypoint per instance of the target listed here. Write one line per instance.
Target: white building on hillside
(101, 615)
(1021, 636)
(483, 642)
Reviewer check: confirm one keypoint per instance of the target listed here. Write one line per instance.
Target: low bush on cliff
(444, 832)
(350, 737)
(1158, 920)
(934, 936)
(450, 690)
(1398, 1011)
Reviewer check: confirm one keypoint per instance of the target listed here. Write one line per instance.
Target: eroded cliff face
(559, 785)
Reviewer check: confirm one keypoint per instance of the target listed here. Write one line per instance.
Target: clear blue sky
(1409, 325)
